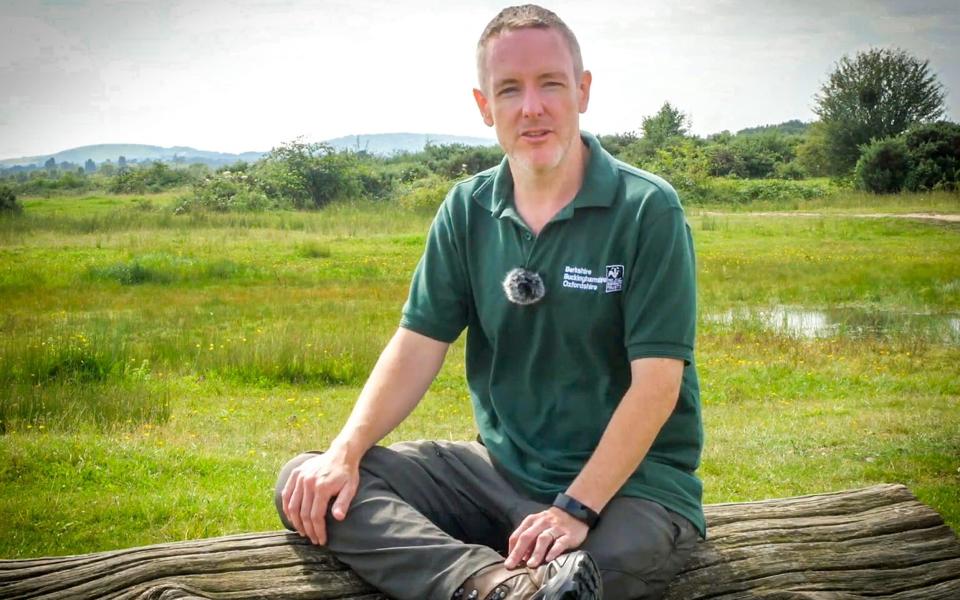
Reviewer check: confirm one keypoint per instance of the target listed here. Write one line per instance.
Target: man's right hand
(312, 486)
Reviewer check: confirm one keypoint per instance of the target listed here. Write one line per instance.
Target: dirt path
(943, 218)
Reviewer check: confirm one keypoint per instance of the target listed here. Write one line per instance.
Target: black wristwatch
(576, 509)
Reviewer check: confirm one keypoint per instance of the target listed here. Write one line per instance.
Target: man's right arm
(399, 380)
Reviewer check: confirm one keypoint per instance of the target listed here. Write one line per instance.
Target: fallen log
(876, 542)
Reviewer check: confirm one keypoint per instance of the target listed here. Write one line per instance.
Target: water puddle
(854, 323)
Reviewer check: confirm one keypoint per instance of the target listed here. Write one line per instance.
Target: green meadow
(156, 369)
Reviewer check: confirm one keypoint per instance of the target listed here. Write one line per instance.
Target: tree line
(879, 128)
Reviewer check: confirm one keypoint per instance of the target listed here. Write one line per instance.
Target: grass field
(157, 369)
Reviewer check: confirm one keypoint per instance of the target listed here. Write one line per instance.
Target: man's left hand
(543, 536)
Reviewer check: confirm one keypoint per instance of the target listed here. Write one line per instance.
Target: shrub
(8, 200)
(813, 152)
(425, 194)
(308, 175)
(458, 160)
(934, 151)
(227, 191)
(724, 160)
(156, 177)
(883, 166)
(790, 170)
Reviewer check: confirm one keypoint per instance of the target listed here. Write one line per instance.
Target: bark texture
(877, 542)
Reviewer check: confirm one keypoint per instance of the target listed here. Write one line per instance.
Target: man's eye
(506, 90)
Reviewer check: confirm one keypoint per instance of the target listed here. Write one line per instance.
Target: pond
(845, 322)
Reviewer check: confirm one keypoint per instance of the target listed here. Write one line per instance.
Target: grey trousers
(427, 515)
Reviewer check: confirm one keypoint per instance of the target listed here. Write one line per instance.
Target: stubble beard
(527, 162)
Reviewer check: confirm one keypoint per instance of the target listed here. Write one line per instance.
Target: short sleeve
(660, 296)
(438, 303)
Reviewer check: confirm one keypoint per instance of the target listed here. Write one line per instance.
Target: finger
(523, 526)
(512, 541)
(543, 543)
(522, 548)
(293, 506)
(559, 547)
(318, 518)
(288, 490)
(306, 506)
(342, 504)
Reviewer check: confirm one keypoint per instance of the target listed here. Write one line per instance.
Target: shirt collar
(599, 186)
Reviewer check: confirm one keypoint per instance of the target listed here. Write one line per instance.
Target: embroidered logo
(581, 278)
(614, 278)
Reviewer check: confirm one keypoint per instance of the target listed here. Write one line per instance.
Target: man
(574, 277)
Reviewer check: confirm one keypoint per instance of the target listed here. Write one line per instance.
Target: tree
(669, 122)
(812, 154)
(90, 166)
(934, 150)
(877, 94)
(122, 163)
(883, 166)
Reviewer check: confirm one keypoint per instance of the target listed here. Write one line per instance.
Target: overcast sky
(249, 74)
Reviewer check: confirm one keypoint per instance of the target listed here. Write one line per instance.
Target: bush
(772, 190)
(227, 191)
(308, 175)
(790, 170)
(883, 166)
(682, 162)
(375, 181)
(156, 177)
(458, 160)
(813, 153)
(724, 160)
(425, 194)
(8, 200)
(934, 151)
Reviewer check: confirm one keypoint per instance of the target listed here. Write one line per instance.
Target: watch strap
(576, 509)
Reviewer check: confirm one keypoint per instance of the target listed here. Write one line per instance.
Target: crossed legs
(427, 515)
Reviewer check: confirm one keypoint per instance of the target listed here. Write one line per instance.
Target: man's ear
(484, 107)
(584, 88)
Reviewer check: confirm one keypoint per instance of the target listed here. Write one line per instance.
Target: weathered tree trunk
(875, 542)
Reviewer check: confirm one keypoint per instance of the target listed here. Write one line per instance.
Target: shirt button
(528, 236)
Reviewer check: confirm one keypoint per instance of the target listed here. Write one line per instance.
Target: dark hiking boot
(572, 576)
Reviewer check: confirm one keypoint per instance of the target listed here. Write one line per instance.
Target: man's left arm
(642, 412)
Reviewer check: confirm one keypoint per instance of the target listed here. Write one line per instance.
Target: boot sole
(578, 579)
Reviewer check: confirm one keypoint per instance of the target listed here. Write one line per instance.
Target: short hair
(527, 16)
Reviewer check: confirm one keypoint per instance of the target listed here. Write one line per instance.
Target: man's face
(531, 95)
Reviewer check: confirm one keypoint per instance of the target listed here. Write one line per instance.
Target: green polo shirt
(617, 265)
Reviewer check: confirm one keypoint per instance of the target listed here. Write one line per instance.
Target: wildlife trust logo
(614, 278)
(580, 278)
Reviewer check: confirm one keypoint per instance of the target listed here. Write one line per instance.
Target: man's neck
(539, 196)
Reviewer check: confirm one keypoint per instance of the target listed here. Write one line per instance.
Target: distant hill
(134, 153)
(390, 143)
(380, 143)
(792, 127)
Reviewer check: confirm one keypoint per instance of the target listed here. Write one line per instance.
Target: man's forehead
(537, 50)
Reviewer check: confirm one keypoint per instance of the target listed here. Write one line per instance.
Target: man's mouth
(535, 135)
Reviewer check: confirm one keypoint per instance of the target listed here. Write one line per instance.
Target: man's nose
(532, 102)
